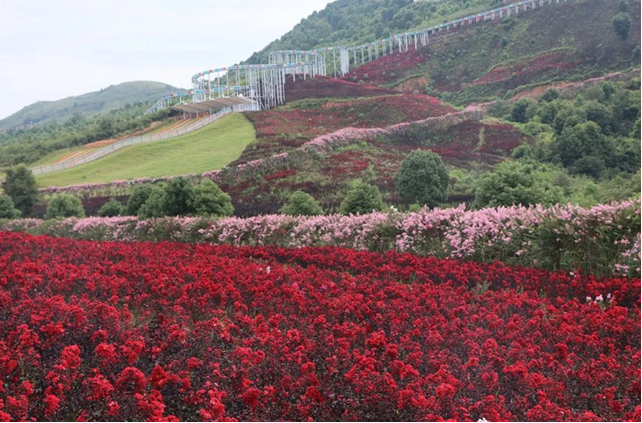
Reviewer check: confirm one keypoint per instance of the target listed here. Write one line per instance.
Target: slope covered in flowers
(137, 331)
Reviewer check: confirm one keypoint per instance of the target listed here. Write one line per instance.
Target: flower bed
(138, 331)
(601, 240)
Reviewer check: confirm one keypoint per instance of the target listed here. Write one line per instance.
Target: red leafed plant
(142, 331)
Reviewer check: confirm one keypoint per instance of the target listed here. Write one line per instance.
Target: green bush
(20, 185)
(515, 183)
(523, 110)
(550, 95)
(209, 200)
(154, 205)
(7, 209)
(302, 204)
(64, 205)
(622, 24)
(361, 199)
(179, 196)
(138, 197)
(111, 208)
(422, 179)
(585, 139)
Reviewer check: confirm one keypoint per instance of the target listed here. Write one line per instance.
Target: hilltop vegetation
(352, 22)
(28, 146)
(568, 41)
(105, 100)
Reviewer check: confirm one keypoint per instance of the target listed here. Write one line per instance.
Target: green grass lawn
(54, 156)
(212, 147)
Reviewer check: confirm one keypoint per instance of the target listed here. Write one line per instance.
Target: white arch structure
(217, 92)
(263, 85)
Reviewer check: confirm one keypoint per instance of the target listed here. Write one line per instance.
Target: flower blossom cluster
(604, 239)
(116, 331)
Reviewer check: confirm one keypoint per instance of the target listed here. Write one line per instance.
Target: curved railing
(102, 152)
(264, 83)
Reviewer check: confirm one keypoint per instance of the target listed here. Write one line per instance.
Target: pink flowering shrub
(604, 239)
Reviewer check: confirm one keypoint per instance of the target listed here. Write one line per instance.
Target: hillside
(110, 98)
(496, 59)
(211, 147)
(351, 22)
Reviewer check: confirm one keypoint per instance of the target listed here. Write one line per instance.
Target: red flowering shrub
(141, 331)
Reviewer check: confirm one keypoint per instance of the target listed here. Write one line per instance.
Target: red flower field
(139, 331)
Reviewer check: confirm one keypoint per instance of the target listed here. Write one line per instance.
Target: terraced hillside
(571, 41)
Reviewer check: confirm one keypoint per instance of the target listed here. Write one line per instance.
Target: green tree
(515, 183)
(523, 110)
(585, 139)
(361, 199)
(209, 200)
(600, 114)
(179, 196)
(111, 208)
(154, 205)
(7, 209)
(20, 185)
(422, 179)
(64, 205)
(302, 204)
(549, 95)
(622, 24)
(589, 165)
(138, 197)
(624, 6)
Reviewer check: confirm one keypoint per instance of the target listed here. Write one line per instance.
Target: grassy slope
(107, 99)
(208, 148)
(558, 42)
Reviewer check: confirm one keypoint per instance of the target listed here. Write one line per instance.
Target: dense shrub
(209, 200)
(622, 24)
(64, 205)
(154, 206)
(7, 209)
(362, 198)
(585, 139)
(139, 196)
(515, 183)
(302, 204)
(20, 185)
(422, 179)
(111, 208)
(523, 110)
(179, 197)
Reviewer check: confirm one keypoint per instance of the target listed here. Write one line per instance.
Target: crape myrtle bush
(140, 331)
(602, 240)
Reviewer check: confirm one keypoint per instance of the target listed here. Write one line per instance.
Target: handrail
(118, 145)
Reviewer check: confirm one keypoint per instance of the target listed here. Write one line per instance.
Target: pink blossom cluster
(559, 236)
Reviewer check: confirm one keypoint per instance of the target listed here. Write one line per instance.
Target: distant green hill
(351, 22)
(113, 97)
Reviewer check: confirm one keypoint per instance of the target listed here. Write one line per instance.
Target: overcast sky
(55, 49)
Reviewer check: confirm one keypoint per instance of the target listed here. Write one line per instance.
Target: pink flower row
(525, 235)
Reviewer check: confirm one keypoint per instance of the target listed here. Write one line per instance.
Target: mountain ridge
(88, 104)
